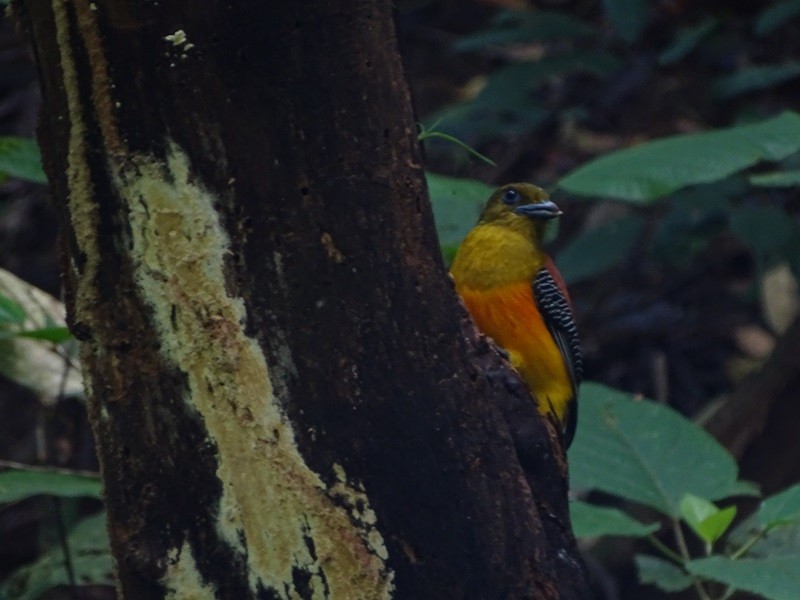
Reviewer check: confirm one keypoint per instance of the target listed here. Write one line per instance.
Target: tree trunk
(287, 396)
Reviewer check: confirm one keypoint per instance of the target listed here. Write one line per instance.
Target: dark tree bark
(287, 396)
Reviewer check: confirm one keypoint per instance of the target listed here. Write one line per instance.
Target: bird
(515, 295)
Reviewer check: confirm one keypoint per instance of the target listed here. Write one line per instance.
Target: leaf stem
(684, 550)
(62, 538)
(748, 544)
(666, 550)
(423, 135)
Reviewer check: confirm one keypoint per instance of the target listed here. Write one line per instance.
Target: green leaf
(457, 204)
(589, 520)
(663, 574)
(695, 510)
(11, 312)
(776, 179)
(774, 578)
(91, 561)
(17, 484)
(750, 79)
(57, 335)
(765, 229)
(19, 157)
(707, 520)
(629, 17)
(781, 508)
(775, 16)
(687, 40)
(647, 453)
(596, 251)
(521, 26)
(650, 171)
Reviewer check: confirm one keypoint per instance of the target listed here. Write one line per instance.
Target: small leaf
(57, 335)
(687, 40)
(11, 312)
(776, 179)
(596, 251)
(705, 518)
(589, 520)
(750, 79)
(775, 16)
(629, 17)
(781, 508)
(19, 157)
(663, 574)
(650, 171)
(646, 452)
(457, 204)
(17, 484)
(774, 577)
(695, 509)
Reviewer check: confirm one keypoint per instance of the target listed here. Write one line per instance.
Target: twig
(684, 549)
(62, 538)
(743, 416)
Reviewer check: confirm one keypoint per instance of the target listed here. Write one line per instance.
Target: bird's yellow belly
(509, 315)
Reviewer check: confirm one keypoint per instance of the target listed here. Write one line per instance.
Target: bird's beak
(539, 210)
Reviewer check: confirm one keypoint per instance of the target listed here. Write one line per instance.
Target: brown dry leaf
(754, 341)
(780, 297)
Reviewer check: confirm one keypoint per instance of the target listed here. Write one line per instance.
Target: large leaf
(589, 520)
(650, 171)
(781, 508)
(775, 525)
(457, 203)
(600, 249)
(91, 563)
(17, 484)
(663, 574)
(647, 453)
(774, 578)
(19, 157)
(755, 78)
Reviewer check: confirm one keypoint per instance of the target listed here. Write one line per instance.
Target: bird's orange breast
(510, 316)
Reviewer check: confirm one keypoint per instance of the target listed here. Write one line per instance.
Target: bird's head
(520, 206)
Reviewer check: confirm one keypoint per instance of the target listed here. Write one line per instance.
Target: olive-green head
(520, 206)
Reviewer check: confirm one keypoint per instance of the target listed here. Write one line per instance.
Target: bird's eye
(511, 196)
